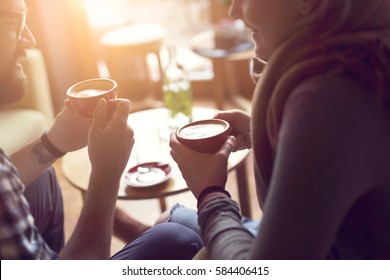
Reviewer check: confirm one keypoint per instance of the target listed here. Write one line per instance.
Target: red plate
(148, 174)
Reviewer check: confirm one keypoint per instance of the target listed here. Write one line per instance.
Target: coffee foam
(89, 92)
(200, 131)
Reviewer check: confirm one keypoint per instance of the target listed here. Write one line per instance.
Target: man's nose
(27, 41)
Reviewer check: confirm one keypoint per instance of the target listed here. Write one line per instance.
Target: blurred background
(74, 37)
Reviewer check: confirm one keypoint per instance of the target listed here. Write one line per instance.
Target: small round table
(224, 72)
(152, 144)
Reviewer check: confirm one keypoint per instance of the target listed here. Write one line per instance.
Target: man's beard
(13, 85)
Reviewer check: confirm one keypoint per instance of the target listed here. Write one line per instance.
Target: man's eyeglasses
(16, 20)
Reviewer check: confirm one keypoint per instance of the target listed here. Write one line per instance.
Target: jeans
(45, 199)
(189, 218)
(178, 238)
(166, 241)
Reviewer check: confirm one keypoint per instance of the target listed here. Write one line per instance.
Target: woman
(320, 134)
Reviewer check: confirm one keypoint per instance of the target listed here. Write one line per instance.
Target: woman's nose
(235, 11)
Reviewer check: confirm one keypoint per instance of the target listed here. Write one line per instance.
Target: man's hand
(69, 131)
(110, 140)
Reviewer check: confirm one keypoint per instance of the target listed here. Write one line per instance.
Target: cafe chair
(27, 119)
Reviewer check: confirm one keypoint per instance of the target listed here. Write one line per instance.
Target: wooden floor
(146, 211)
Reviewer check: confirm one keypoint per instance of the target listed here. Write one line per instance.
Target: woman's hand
(110, 139)
(201, 170)
(240, 123)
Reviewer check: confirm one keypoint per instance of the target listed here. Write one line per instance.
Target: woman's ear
(307, 6)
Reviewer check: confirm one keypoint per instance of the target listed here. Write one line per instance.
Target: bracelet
(212, 189)
(50, 147)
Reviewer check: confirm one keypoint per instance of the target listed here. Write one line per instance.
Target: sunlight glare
(99, 13)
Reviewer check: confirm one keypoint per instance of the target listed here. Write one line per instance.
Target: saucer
(148, 174)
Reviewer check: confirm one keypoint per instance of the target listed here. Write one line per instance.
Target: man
(31, 225)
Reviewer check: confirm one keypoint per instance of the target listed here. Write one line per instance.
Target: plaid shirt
(19, 238)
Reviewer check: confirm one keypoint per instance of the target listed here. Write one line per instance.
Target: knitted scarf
(361, 50)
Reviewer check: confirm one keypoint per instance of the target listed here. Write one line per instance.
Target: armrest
(38, 96)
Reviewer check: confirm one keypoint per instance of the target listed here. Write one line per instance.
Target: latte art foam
(201, 131)
(89, 92)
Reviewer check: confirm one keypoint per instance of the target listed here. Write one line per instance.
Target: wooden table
(225, 76)
(152, 135)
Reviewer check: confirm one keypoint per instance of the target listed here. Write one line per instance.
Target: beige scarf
(362, 51)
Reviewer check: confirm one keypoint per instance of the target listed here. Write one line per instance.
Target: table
(151, 135)
(224, 75)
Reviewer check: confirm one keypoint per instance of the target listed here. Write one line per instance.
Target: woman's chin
(261, 54)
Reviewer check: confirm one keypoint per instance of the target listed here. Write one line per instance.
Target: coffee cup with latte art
(205, 136)
(85, 94)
